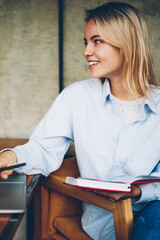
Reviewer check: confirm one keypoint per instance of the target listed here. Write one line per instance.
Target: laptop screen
(13, 194)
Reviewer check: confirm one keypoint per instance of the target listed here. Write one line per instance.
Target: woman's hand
(115, 196)
(7, 158)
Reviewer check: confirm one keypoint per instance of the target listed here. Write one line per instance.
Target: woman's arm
(115, 196)
(48, 143)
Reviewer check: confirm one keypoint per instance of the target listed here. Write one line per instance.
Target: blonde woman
(113, 119)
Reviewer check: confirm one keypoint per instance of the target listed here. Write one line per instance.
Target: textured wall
(29, 56)
(28, 63)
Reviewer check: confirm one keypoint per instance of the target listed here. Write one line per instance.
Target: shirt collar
(150, 101)
(106, 91)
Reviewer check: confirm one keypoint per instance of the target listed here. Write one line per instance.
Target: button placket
(121, 153)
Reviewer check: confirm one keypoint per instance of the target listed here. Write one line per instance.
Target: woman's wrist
(136, 193)
(10, 156)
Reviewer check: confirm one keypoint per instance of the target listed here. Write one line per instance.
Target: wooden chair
(61, 208)
(11, 142)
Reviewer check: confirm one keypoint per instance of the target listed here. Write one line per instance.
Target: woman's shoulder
(155, 95)
(155, 92)
(89, 84)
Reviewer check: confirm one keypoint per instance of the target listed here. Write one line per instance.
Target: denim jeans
(147, 222)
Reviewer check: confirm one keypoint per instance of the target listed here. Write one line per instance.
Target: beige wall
(29, 56)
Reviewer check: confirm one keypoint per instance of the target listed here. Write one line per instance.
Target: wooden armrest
(56, 183)
(122, 210)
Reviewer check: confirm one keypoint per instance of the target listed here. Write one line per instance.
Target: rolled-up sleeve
(150, 191)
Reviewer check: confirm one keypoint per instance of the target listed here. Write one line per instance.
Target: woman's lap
(147, 222)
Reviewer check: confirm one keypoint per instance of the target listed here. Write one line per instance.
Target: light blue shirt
(105, 147)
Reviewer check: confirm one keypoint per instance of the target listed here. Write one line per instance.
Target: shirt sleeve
(50, 140)
(150, 191)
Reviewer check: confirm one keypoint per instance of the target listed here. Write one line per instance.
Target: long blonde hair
(123, 26)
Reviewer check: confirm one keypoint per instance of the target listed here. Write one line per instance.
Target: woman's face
(104, 59)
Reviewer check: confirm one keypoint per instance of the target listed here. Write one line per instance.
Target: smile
(93, 63)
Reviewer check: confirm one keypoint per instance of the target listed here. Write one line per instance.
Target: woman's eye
(85, 44)
(97, 41)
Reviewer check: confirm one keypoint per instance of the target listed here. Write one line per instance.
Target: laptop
(13, 194)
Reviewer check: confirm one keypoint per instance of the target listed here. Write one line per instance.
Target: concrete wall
(28, 63)
(29, 56)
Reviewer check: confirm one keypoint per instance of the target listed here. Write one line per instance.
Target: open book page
(120, 184)
(98, 184)
(137, 179)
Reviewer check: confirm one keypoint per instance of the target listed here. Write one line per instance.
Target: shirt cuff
(148, 192)
(6, 149)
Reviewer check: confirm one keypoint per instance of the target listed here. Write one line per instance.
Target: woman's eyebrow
(94, 36)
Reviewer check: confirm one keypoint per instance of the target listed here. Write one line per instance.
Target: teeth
(93, 63)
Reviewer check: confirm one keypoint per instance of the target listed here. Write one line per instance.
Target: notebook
(13, 194)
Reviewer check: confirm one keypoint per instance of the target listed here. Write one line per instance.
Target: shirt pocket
(141, 160)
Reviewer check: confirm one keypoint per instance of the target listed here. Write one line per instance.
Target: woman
(111, 118)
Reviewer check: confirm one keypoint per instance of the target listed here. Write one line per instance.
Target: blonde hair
(122, 25)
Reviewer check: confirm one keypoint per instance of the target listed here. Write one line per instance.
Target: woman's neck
(119, 91)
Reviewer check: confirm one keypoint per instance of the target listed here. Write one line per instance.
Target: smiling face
(104, 59)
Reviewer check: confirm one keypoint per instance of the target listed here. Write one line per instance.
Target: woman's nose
(88, 51)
